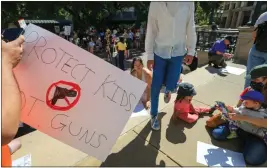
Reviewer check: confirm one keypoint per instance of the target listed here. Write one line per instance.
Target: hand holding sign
(12, 51)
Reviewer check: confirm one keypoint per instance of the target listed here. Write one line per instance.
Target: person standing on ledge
(170, 30)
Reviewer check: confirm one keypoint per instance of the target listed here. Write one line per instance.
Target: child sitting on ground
(183, 107)
(251, 106)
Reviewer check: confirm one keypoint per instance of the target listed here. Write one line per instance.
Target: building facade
(237, 13)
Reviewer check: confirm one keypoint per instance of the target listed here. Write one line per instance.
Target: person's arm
(254, 34)
(149, 82)
(219, 53)
(256, 121)
(202, 110)
(151, 31)
(191, 37)
(11, 97)
(218, 48)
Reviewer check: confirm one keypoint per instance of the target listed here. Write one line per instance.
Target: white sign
(233, 70)
(72, 95)
(22, 23)
(139, 111)
(214, 156)
(67, 30)
(23, 161)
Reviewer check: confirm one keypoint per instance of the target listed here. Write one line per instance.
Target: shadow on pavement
(26, 129)
(215, 71)
(137, 153)
(175, 131)
(232, 144)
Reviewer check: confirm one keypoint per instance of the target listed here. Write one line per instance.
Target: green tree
(210, 8)
(200, 16)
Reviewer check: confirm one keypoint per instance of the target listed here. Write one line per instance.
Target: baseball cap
(230, 38)
(257, 72)
(253, 95)
(186, 89)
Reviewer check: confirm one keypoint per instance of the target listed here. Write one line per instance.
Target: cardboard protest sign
(72, 95)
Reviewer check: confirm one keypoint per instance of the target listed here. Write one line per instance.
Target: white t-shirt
(261, 19)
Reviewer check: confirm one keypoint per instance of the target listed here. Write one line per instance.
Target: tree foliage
(210, 8)
(84, 13)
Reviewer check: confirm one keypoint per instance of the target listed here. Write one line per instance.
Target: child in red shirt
(183, 107)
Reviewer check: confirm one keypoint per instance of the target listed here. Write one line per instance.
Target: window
(234, 5)
(227, 7)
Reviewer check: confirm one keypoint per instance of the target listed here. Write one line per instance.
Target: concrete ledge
(202, 58)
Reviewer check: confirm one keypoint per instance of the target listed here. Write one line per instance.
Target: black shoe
(216, 66)
(210, 63)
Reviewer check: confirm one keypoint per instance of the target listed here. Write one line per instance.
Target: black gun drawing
(61, 93)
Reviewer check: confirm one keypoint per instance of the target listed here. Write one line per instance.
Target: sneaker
(210, 63)
(216, 66)
(155, 123)
(232, 135)
(167, 96)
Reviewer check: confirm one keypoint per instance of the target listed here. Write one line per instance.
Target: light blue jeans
(165, 71)
(255, 58)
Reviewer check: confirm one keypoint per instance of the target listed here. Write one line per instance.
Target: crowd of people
(167, 47)
(105, 41)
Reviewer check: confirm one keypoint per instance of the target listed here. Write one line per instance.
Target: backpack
(261, 37)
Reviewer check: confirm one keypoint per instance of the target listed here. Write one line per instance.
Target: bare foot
(14, 145)
(147, 105)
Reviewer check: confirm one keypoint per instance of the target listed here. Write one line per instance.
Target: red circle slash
(74, 86)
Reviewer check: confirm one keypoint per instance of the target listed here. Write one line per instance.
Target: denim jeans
(255, 58)
(164, 69)
(254, 149)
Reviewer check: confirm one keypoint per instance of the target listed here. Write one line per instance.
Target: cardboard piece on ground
(210, 155)
(23, 161)
(139, 111)
(233, 70)
(72, 95)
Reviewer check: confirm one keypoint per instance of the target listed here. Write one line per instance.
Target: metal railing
(206, 38)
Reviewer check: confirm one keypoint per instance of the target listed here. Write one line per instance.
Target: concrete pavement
(174, 145)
